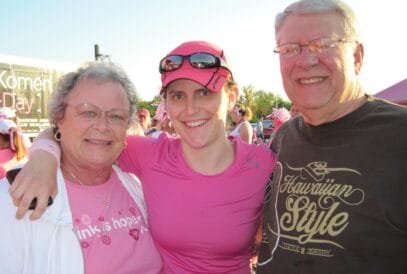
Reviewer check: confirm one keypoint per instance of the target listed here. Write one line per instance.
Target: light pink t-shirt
(201, 224)
(236, 131)
(111, 229)
(7, 161)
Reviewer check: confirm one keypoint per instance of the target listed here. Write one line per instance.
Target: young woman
(241, 116)
(98, 222)
(204, 192)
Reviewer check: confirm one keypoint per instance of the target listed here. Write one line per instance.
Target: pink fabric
(161, 112)
(115, 227)
(201, 224)
(7, 161)
(47, 145)
(211, 78)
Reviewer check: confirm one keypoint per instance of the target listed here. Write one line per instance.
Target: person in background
(260, 129)
(241, 117)
(144, 119)
(135, 129)
(99, 209)
(338, 200)
(12, 146)
(163, 124)
(204, 191)
(279, 116)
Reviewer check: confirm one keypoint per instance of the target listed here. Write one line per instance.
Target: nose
(101, 122)
(191, 105)
(306, 58)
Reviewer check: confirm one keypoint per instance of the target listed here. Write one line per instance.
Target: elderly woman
(98, 221)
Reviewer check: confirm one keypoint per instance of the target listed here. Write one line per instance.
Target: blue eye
(88, 114)
(116, 117)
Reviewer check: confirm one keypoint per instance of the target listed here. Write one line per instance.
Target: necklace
(76, 179)
(104, 199)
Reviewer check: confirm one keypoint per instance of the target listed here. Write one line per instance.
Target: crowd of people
(325, 195)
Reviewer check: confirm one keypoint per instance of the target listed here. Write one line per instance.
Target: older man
(338, 194)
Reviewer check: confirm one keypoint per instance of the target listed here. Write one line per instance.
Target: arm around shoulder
(37, 179)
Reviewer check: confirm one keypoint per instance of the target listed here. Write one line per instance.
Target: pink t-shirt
(7, 161)
(201, 224)
(111, 229)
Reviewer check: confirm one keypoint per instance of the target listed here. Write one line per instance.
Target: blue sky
(138, 33)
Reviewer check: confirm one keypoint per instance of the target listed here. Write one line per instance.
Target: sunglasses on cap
(199, 60)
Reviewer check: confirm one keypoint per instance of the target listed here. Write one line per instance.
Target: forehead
(99, 92)
(305, 27)
(184, 85)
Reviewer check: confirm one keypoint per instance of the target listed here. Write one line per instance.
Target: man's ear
(233, 96)
(358, 55)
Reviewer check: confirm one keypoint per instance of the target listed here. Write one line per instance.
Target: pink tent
(397, 93)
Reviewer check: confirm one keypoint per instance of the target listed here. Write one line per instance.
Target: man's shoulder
(388, 108)
(387, 113)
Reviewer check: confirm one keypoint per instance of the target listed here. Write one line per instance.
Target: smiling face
(198, 114)
(88, 142)
(319, 82)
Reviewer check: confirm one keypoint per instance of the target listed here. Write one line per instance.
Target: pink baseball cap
(211, 78)
(280, 114)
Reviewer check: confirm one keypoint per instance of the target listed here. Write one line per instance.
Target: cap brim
(213, 78)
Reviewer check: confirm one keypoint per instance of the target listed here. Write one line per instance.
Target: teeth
(98, 142)
(311, 80)
(195, 123)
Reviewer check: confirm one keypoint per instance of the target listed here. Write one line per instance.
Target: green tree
(261, 102)
(150, 105)
(247, 96)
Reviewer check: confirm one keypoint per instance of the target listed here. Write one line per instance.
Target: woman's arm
(36, 179)
(246, 132)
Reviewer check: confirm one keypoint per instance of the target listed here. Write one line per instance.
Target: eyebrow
(169, 91)
(204, 88)
(173, 91)
(92, 105)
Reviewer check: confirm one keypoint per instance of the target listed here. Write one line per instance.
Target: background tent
(396, 93)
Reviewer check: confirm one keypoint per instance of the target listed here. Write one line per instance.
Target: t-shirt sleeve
(275, 145)
(137, 154)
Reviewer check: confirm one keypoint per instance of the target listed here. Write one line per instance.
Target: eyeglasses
(90, 114)
(199, 60)
(316, 46)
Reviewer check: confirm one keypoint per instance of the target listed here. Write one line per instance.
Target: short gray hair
(107, 72)
(322, 6)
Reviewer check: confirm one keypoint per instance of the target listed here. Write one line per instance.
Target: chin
(101, 161)
(197, 144)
